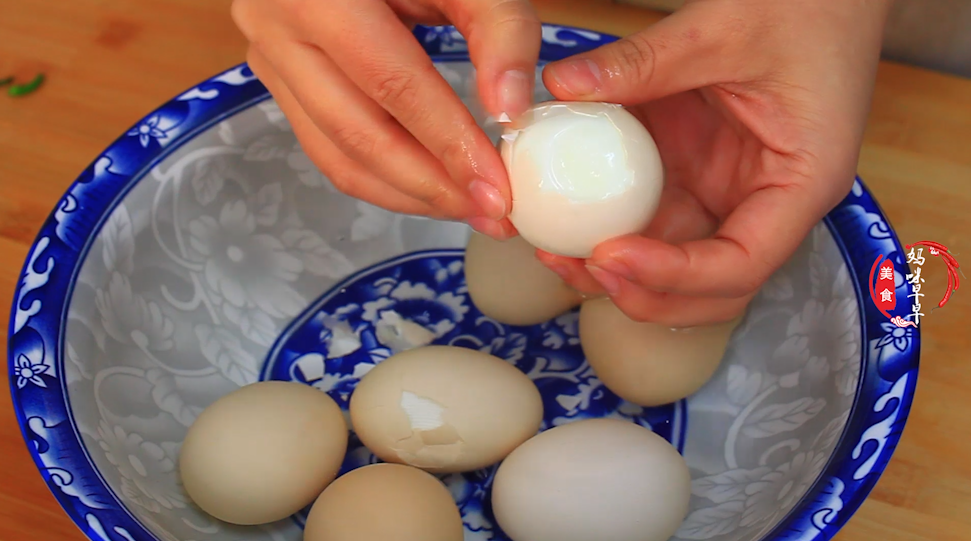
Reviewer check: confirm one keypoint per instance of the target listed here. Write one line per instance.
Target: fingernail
(515, 93)
(609, 281)
(488, 198)
(490, 228)
(615, 267)
(580, 76)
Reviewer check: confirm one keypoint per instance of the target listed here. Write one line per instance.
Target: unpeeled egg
(646, 363)
(385, 502)
(595, 479)
(263, 452)
(509, 284)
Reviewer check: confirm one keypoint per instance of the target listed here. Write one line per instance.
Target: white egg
(507, 283)
(596, 479)
(580, 173)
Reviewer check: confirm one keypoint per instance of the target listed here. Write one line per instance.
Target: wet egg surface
(580, 173)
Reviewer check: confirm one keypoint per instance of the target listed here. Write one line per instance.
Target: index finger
(754, 241)
(394, 70)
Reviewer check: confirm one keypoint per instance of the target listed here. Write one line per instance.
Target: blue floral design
(147, 130)
(887, 383)
(898, 337)
(39, 312)
(888, 380)
(29, 371)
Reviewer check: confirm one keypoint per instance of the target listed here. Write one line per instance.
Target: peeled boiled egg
(603, 479)
(508, 284)
(263, 452)
(385, 502)
(646, 363)
(445, 409)
(580, 173)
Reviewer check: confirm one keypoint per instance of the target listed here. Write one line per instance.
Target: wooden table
(111, 61)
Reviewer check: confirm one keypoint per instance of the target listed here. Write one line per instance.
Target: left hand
(372, 112)
(758, 110)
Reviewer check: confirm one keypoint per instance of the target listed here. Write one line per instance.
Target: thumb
(504, 38)
(697, 46)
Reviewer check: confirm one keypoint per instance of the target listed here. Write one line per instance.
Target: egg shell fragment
(445, 409)
(385, 502)
(646, 363)
(580, 173)
(510, 285)
(595, 479)
(263, 452)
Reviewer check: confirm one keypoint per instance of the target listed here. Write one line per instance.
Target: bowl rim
(889, 355)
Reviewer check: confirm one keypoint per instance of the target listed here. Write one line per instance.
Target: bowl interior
(234, 259)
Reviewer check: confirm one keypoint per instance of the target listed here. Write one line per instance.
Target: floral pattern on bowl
(203, 251)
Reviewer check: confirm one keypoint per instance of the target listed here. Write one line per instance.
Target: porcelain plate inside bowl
(203, 251)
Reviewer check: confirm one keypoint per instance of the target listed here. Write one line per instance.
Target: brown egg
(385, 502)
(445, 409)
(508, 284)
(263, 452)
(645, 363)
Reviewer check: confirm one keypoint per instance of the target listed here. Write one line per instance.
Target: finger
(504, 37)
(697, 46)
(396, 72)
(755, 240)
(572, 271)
(641, 304)
(412, 13)
(346, 175)
(358, 126)
(499, 230)
(677, 311)
(680, 217)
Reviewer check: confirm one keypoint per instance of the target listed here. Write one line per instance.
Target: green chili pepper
(26, 88)
(7, 81)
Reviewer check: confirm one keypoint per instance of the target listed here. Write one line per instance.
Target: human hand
(758, 109)
(373, 113)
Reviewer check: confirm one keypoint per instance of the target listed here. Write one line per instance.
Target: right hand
(758, 109)
(372, 112)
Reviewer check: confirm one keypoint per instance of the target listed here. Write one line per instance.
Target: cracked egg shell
(580, 173)
(445, 409)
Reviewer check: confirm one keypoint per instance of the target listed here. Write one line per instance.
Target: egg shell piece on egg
(263, 452)
(510, 285)
(580, 173)
(385, 502)
(595, 479)
(445, 409)
(646, 363)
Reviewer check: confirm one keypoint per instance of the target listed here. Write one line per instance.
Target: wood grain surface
(109, 62)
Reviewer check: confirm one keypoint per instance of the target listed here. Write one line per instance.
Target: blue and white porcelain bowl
(203, 251)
